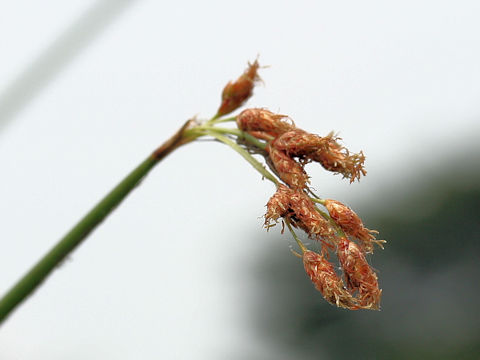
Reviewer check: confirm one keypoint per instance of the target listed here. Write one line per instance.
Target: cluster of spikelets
(340, 230)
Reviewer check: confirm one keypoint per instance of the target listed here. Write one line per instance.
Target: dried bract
(236, 93)
(352, 225)
(359, 275)
(323, 276)
(261, 121)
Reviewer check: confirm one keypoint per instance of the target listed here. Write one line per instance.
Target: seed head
(359, 275)
(236, 93)
(323, 276)
(337, 158)
(262, 121)
(290, 171)
(351, 223)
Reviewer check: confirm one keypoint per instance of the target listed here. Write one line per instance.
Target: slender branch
(257, 165)
(242, 135)
(30, 281)
(216, 120)
(318, 201)
(236, 132)
(297, 239)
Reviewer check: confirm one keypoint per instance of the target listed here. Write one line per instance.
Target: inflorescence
(287, 149)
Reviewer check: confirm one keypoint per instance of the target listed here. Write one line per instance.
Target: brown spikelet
(298, 142)
(323, 276)
(278, 205)
(307, 217)
(352, 225)
(262, 121)
(359, 275)
(337, 158)
(290, 171)
(236, 93)
(297, 207)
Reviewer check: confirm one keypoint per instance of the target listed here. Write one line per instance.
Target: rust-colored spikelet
(359, 275)
(237, 92)
(351, 223)
(323, 276)
(308, 218)
(264, 124)
(298, 142)
(336, 158)
(278, 205)
(300, 210)
(290, 171)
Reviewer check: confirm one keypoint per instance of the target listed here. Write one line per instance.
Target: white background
(89, 88)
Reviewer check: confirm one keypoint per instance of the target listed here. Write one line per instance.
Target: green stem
(30, 281)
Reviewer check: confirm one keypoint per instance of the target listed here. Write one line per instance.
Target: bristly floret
(236, 93)
(336, 158)
(352, 225)
(264, 124)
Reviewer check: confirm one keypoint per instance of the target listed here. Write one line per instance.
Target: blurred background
(183, 269)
